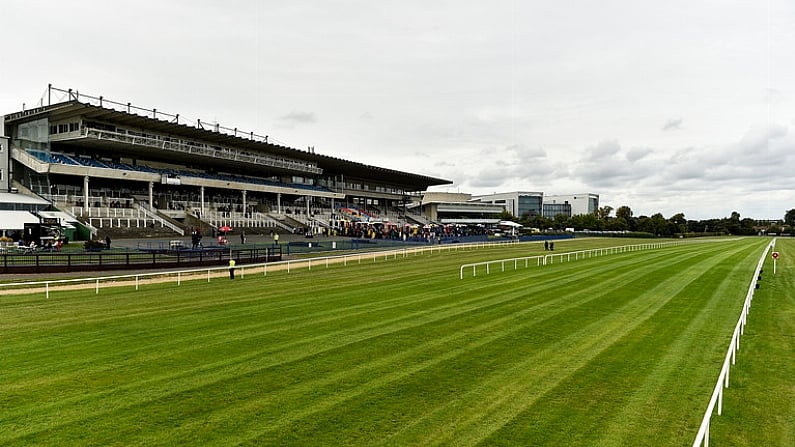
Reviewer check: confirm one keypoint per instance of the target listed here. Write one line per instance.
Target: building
(521, 204)
(570, 205)
(442, 207)
(457, 208)
(96, 159)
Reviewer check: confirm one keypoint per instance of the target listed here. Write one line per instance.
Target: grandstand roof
(331, 165)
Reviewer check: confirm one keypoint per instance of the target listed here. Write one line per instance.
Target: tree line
(624, 220)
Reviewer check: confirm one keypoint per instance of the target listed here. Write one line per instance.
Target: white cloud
(554, 97)
(299, 117)
(672, 124)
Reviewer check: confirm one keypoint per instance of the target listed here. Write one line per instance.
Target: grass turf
(614, 350)
(759, 405)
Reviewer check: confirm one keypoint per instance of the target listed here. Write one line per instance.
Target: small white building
(458, 208)
(518, 203)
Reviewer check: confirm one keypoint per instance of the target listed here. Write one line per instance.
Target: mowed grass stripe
(759, 405)
(199, 309)
(136, 360)
(542, 370)
(294, 320)
(693, 334)
(170, 378)
(355, 388)
(597, 405)
(434, 267)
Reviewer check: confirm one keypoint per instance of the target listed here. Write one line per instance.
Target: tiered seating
(356, 214)
(238, 220)
(53, 158)
(90, 162)
(57, 158)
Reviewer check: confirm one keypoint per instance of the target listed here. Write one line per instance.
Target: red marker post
(775, 258)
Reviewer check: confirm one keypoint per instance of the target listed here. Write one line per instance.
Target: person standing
(231, 268)
(242, 237)
(276, 238)
(107, 242)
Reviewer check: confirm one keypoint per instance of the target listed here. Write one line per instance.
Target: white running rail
(702, 438)
(565, 256)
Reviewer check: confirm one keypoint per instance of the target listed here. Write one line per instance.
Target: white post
(85, 193)
(201, 201)
(151, 195)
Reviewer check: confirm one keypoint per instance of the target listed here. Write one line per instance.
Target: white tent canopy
(508, 223)
(16, 220)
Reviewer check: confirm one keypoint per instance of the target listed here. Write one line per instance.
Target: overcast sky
(675, 106)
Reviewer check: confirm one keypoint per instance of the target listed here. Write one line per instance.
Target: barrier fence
(241, 269)
(564, 257)
(702, 437)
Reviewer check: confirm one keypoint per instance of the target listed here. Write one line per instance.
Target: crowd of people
(406, 232)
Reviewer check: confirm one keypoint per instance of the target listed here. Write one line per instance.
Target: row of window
(64, 128)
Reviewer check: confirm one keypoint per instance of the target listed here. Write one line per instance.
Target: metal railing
(151, 214)
(201, 149)
(55, 262)
(74, 95)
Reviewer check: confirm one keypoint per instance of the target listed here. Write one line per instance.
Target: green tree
(661, 225)
(645, 225)
(789, 218)
(561, 221)
(747, 227)
(624, 212)
(679, 223)
(617, 224)
(585, 222)
(506, 215)
(732, 224)
(603, 213)
(540, 222)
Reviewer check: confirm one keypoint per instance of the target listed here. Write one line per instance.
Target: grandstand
(112, 166)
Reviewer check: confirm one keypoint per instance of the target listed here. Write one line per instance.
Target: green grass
(759, 405)
(615, 350)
